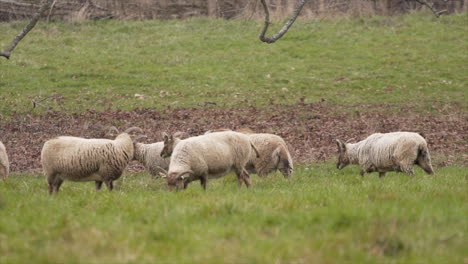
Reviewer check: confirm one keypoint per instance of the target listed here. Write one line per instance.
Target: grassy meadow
(321, 215)
(411, 59)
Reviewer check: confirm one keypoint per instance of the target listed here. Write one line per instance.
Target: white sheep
(397, 151)
(272, 149)
(79, 159)
(274, 155)
(4, 164)
(150, 155)
(209, 156)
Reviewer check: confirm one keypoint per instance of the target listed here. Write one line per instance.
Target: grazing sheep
(273, 150)
(396, 151)
(79, 159)
(274, 155)
(4, 164)
(209, 156)
(151, 155)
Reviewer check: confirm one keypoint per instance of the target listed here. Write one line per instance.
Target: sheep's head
(170, 142)
(343, 158)
(168, 145)
(179, 181)
(285, 169)
(282, 163)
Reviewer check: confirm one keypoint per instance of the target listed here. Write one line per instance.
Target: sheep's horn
(349, 140)
(180, 134)
(139, 137)
(131, 129)
(113, 129)
(181, 175)
(163, 170)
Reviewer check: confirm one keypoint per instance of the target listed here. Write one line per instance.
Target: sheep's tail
(255, 149)
(424, 159)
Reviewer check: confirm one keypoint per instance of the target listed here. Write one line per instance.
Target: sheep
(150, 155)
(209, 156)
(274, 156)
(79, 159)
(396, 151)
(274, 153)
(4, 164)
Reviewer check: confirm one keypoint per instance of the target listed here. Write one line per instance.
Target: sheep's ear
(165, 136)
(341, 145)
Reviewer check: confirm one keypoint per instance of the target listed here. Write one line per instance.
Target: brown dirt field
(309, 129)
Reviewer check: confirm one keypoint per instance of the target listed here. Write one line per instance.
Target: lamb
(274, 153)
(209, 156)
(4, 164)
(150, 155)
(396, 151)
(79, 159)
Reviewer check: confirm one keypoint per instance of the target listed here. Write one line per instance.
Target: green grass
(413, 59)
(322, 215)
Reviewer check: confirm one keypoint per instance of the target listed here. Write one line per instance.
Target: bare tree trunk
(45, 4)
(286, 26)
(213, 8)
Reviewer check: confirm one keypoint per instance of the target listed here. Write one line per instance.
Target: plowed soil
(309, 129)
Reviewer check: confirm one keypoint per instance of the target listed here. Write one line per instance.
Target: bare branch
(51, 9)
(286, 26)
(44, 5)
(431, 7)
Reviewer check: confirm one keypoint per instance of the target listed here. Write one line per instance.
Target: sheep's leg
(239, 179)
(366, 168)
(58, 182)
(381, 174)
(362, 172)
(246, 178)
(110, 185)
(51, 179)
(51, 188)
(98, 185)
(203, 182)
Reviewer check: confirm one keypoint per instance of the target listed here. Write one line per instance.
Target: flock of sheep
(181, 160)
